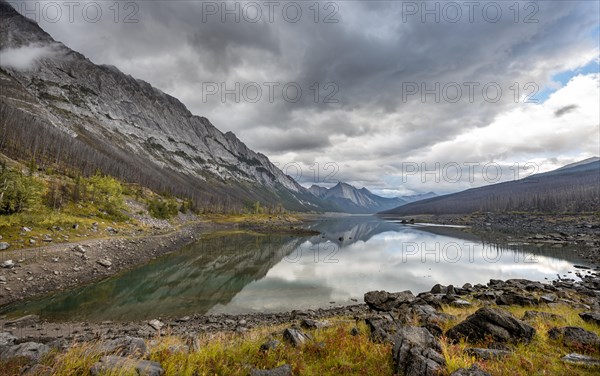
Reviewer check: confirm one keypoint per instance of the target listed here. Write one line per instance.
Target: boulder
(574, 336)
(383, 328)
(118, 364)
(494, 322)
(417, 352)
(295, 336)
(4, 245)
(385, 301)
(284, 370)
(593, 317)
(515, 299)
(30, 350)
(8, 264)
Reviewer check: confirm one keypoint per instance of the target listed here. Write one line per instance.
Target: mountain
(64, 111)
(352, 200)
(573, 188)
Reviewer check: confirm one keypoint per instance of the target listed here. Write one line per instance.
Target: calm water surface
(240, 273)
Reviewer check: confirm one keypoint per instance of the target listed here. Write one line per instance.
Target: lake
(237, 272)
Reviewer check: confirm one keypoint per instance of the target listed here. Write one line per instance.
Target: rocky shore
(412, 324)
(34, 272)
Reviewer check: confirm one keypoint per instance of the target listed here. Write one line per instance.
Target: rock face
(574, 336)
(417, 352)
(98, 116)
(117, 364)
(385, 301)
(494, 322)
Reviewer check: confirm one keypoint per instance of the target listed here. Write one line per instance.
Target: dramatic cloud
(380, 85)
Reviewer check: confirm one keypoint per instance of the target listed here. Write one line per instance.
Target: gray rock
(515, 299)
(295, 336)
(417, 352)
(8, 264)
(156, 324)
(79, 249)
(593, 317)
(494, 322)
(284, 370)
(385, 301)
(579, 359)
(105, 262)
(46, 238)
(117, 364)
(124, 346)
(574, 336)
(4, 245)
(7, 339)
(382, 328)
(474, 370)
(486, 354)
(30, 350)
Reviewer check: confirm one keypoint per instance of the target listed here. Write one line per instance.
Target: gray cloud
(565, 110)
(370, 56)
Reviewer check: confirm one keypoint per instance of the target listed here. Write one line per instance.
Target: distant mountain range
(572, 188)
(350, 199)
(68, 113)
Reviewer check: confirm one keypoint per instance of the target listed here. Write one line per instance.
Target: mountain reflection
(238, 272)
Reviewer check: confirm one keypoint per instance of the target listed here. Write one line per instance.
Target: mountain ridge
(353, 200)
(573, 188)
(108, 120)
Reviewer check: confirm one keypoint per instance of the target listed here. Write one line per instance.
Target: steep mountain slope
(61, 109)
(352, 200)
(570, 189)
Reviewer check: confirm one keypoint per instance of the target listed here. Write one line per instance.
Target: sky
(399, 96)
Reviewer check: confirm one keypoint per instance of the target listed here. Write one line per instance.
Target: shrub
(18, 192)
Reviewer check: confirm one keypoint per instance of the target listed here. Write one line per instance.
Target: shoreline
(43, 271)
